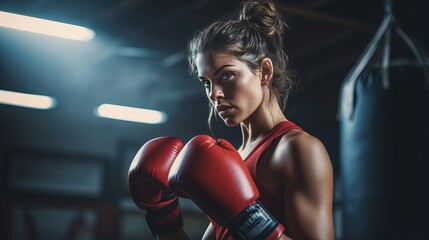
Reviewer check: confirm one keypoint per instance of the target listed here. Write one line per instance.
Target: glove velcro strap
(166, 220)
(253, 223)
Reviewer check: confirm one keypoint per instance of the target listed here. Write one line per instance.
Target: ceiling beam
(320, 16)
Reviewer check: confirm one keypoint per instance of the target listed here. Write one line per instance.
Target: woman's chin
(230, 122)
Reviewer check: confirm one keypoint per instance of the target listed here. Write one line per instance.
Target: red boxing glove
(148, 184)
(215, 177)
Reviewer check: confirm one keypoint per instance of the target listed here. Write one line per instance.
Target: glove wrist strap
(166, 220)
(255, 222)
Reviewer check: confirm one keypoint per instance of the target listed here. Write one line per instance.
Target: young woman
(243, 68)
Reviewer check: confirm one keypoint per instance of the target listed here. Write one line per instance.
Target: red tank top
(273, 204)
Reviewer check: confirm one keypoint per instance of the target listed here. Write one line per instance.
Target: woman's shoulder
(298, 150)
(298, 140)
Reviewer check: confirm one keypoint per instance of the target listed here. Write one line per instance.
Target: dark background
(323, 41)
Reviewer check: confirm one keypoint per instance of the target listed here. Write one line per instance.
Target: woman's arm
(307, 175)
(209, 234)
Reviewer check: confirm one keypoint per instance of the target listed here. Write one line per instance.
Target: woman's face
(233, 89)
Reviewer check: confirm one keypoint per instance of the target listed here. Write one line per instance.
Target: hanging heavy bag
(384, 141)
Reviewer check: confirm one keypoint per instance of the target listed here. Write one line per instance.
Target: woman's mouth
(223, 109)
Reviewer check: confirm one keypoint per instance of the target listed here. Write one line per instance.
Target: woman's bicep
(308, 191)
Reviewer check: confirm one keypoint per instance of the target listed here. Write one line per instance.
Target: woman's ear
(266, 71)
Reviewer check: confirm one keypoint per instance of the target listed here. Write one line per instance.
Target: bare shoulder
(298, 153)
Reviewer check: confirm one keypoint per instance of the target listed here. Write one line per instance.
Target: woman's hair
(257, 33)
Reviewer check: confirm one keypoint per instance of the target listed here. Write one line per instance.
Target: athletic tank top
(273, 204)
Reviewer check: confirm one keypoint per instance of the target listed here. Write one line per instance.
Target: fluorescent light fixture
(26, 100)
(131, 114)
(47, 27)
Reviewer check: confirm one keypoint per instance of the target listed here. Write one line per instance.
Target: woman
(243, 68)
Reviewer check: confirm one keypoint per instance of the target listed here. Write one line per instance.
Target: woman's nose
(215, 92)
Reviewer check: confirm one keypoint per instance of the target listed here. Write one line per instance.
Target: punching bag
(384, 141)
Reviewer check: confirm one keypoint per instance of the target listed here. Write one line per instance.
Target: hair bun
(264, 15)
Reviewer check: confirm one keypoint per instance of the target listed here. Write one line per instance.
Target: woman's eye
(227, 75)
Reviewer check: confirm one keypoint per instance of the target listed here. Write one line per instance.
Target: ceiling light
(47, 27)
(131, 114)
(26, 100)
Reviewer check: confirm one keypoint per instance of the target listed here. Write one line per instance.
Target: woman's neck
(260, 122)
